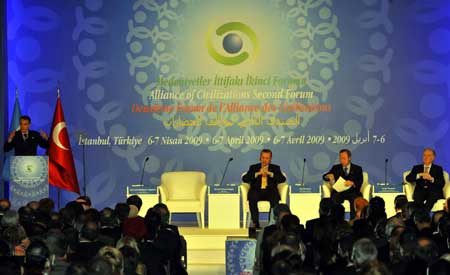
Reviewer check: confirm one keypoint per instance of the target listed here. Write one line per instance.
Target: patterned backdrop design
(381, 65)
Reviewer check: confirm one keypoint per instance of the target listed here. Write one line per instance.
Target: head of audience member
(358, 204)
(46, 205)
(153, 223)
(391, 224)
(33, 205)
(76, 268)
(408, 244)
(121, 211)
(435, 218)
(128, 241)
(428, 156)
(443, 229)
(135, 200)
(440, 267)
(395, 249)
(411, 207)
(89, 232)
(426, 251)
(345, 157)
(279, 211)
(400, 204)
(163, 211)
(131, 259)
(107, 218)
(114, 257)
(92, 215)
(290, 223)
(10, 219)
(422, 219)
(364, 253)
(85, 202)
(325, 207)
(338, 212)
(377, 268)
(100, 266)
(71, 212)
(57, 245)
(286, 260)
(5, 205)
(56, 222)
(15, 236)
(37, 258)
(345, 245)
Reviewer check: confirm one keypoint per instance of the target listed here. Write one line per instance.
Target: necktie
(25, 136)
(264, 182)
(427, 169)
(346, 171)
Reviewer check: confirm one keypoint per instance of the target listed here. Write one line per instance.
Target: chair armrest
(326, 189)
(366, 191)
(203, 195)
(164, 195)
(283, 189)
(244, 191)
(446, 190)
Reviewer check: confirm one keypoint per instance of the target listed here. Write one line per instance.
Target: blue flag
(13, 126)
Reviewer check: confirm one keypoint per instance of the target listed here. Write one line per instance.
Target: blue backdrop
(381, 66)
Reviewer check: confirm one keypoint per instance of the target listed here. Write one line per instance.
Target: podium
(28, 179)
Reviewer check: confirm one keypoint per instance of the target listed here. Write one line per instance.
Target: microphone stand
(225, 171)
(143, 169)
(385, 171)
(303, 172)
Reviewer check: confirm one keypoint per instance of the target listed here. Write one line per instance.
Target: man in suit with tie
(25, 141)
(429, 180)
(263, 178)
(353, 176)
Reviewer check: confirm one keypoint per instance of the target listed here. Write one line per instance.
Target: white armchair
(409, 187)
(366, 190)
(263, 206)
(184, 192)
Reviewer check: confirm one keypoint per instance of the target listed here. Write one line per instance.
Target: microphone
(143, 169)
(225, 171)
(385, 170)
(303, 172)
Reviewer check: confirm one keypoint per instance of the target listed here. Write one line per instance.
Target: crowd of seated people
(79, 239)
(410, 242)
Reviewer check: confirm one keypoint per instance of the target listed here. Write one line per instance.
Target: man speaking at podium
(25, 141)
(263, 178)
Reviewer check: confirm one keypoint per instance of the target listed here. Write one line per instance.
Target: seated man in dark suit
(263, 178)
(25, 141)
(353, 176)
(429, 180)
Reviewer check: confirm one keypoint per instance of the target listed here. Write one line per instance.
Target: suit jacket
(355, 175)
(26, 147)
(272, 182)
(436, 172)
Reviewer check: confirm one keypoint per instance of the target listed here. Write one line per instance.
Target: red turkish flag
(61, 167)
